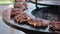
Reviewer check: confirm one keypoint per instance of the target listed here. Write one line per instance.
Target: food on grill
(12, 14)
(25, 5)
(16, 11)
(17, 5)
(37, 23)
(21, 18)
(55, 25)
(20, 4)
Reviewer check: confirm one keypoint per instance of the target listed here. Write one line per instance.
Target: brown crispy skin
(20, 18)
(55, 25)
(37, 23)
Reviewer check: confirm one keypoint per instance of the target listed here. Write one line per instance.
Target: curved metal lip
(48, 3)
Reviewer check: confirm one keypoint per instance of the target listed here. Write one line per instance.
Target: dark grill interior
(47, 13)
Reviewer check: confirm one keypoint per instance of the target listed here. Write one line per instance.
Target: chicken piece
(21, 6)
(16, 11)
(36, 23)
(12, 14)
(25, 5)
(55, 25)
(17, 5)
(20, 3)
(21, 18)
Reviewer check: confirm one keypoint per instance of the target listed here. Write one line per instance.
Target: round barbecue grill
(50, 11)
